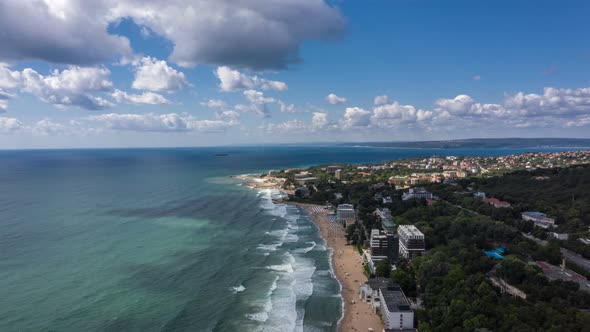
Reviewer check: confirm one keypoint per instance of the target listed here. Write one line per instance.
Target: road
(460, 207)
(576, 259)
(539, 241)
(567, 254)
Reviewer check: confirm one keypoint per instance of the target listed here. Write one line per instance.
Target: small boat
(221, 155)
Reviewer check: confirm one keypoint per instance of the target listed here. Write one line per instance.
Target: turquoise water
(165, 240)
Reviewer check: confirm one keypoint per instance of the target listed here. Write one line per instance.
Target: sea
(167, 240)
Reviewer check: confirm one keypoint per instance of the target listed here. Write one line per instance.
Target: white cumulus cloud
(151, 122)
(10, 125)
(257, 34)
(356, 117)
(4, 96)
(156, 75)
(561, 107)
(47, 127)
(215, 104)
(148, 98)
(289, 126)
(230, 116)
(257, 97)
(258, 103)
(9, 79)
(380, 100)
(64, 31)
(71, 87)
(334, 99)
(234, 80)
(553, 102)
(393, 114)
(319, 120)
(465, 106)
(287, 108)
(274, 85)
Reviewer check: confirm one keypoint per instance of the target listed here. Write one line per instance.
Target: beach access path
(348, 267)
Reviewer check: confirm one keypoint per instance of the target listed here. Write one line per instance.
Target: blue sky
(194, 72)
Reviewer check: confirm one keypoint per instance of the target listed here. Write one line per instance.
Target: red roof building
(496, 202)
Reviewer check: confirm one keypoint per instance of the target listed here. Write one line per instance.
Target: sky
(132, 73)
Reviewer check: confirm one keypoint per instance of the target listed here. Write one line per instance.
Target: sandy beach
(348, 267)
(256, 181)
(346, 261)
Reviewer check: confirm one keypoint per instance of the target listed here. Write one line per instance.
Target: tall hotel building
(411, 241)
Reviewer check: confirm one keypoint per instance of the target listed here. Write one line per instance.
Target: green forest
(452, 280)
(563, 193)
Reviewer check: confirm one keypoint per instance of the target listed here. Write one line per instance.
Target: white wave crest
(320, 247)
(267, 195)
(269, 247)
(280, 233)
(288, 268)
(258, 316)
(307, 249)
(238, 289)
(266, 304)
(291, 238)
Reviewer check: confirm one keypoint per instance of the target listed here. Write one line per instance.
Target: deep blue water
(165, 240)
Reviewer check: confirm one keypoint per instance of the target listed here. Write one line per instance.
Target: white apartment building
(378, 244)
(540, 219)
(369, 291)
(411, 241)
(417, 193)
(395, 308)
(345, 215)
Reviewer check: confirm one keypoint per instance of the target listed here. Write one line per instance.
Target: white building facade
(411, 241)
(417, 193)
(345, 215)
(395, 309)
(540, 219)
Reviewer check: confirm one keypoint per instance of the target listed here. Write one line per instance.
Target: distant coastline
(481, 143)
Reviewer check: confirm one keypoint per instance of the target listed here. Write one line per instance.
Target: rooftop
(535, 214)
(384, 213)
(409, 230)
(377, 283)
(345, 207)
(377, 234)
(388, 223)
(394, 298)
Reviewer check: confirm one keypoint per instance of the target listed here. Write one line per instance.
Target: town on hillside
(497, 243)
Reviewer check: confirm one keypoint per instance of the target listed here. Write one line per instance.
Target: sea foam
(307, 249)
(288, 268)
(269, 247)
(238, 289)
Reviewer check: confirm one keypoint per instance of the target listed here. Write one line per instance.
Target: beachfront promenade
(325, 217)
(348, 267)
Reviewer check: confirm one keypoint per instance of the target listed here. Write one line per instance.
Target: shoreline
(345, 260)
(346, 264)
(255, 181)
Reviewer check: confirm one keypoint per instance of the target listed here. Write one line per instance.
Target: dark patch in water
(191, 208)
